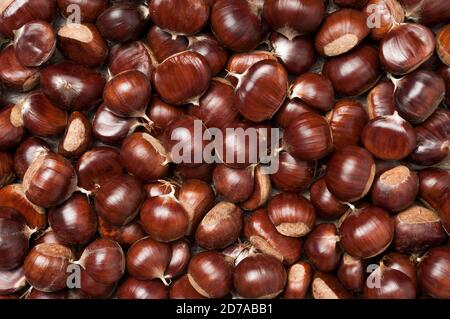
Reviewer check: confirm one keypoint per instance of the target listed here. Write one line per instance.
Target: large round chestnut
(433, 272)
(89, 288)
(315, 90)
(133, 288)
(366, 232)
(12, 281)
(259, 276)
(434, 185)
(299, 278)
(89, 10)
(125, 235)
(11, 132)
(127, 56)
(389, 283)
(163, 44)
(15, 75)
(415, 42)
(326, 204)
(351, 273)
(403, 263)
(161, 114)
(354, 72)
(350, 173)
(211, 274)
(235, 184)
(322, 248)
(182, 78)
(389, 137)
(208, 46)
(308, 137)
(380, 100)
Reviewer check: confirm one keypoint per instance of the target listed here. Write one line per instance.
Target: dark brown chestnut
(434, 185)
(383, 16)
(125, 235)
(351, 273)
(239, 63)
(444, 213)
(293, 175)
(210, 48)
(444, 72)
(78, 136)
(427, 12)
(12, 281)
(133, 288)
(7, 174)
(403, 263)
(380, 100)
(14, 75)
(11, 130)
(89, 10)
(327, 206)
(299, 278)
(313, 89)
(433, 273)
(181, 255)
(326, 286)
(202, 172)
(132, 55)
(322, 248)
(91, 289)
(164, 44)
(235, 184)
(161, 114)
(261, 192)
(389, 283)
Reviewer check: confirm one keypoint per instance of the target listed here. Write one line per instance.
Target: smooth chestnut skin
(259, 276)
(181, 255)
(235, 184)
(161, 187)
(133, 288)
(444, 213)
(261, 192)
(71, 86)
(322, 248)
(15, 75)
(351, 273)
(182, 289)
(433, 272)
(326, 286)
(308, 138)
(11, 133)
(417, 229)
(211, 49)
(128, 94)
(291, 214)
(127, 56)
(292, 18)
(34, 43)
(210, 274)
(389, 283)
(260, 231)
(125, 235)
(261, 90)
(7, 174)
(444, 72)
(83, 44)
(74, 222)
(144, 157)
(415, 41)
(380, 100)
(341, 31)
(164, 218)
(354, 72)
(12, 281)
(389, 137)
(91, 289)
(429, 13)
(293, 175)
(97, 166)
(417, 95)
(164, 44)
(220, 227)
(46, 267)
(237, 24)
(48, 237)
(384, 15)
(434, 185)
(402, 263)
(89, 10)
(202, 172)
(299, 277)
(288, 51)
(123, 22)
(118, 200)
(327, 206)
(366, 232)
(347, 120)
(241, 62)
(395, 189)
(78, 136)
(49, 180)
(350, 173)
(162, 113)
(313, 89)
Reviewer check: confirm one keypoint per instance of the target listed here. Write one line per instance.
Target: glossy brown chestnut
(433, 272)
(366, 232)
(123, 22)
(235, 184)
(444, 72)
(46, 267)
(380, 100)
(354, 72)
(261, 192)
(327, 206)
(12, 281)
(322, 248)
(78, 136)
(119, 198)
(49, 180)
(202, 172)
(210, 274)
(91, 289)
(130, 56)
(313, 89)
(395, 189)
(351, 273)
(14, 75)
(164, 44)
(74, 222)
(181, 255)
(293, 175)
(48, 237)
(326, 286)
(350, 173)
(83, 44)
(11, 133)
(34, 43)
(384, 16)
(210, 48)
(308, 137)
(89, 10)
(37, 294)
(132, 288)
(299, 278)
(72, 87)
(402, 263)
(415, 41)
(434, 185)
(161, 114)
(427, 12)
(444, 213)
(291, 214)
(7, 174)
(389, 283)
(182, 289)
(125, 235)
(182, 78)
(389, 137)
(220, 227)
(238, 63)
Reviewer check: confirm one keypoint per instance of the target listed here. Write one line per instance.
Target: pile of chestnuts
(93, 204)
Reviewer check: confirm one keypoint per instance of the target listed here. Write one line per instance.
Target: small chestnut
(351, 273)
(434, 185)
(162, 113)
(261, 192)
(322, 248)
(14, 75)
(299, 277)
(132, 55)
(125, 235)
(78, 136)
(11, 131)
(389, 283)
(89, 10)
(384, 16)
(133, 288)
(163, 44)
(380, 100)
(210, 48)
(326, 286)
(26, 152)
(433, 272)
(326, 204)
(182, 289)
(315, 90)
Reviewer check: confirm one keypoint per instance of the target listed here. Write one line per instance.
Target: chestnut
(389, 283)
(125, 235)
(293, 175)
(12, 281)
(46, 267)
(164, 44)
(220, 227)
(299, 277)
(350, 173)
(182, 78)
(427, 12)
(398, 137)
(132, 55)
(74, 222)
(354, 72)
(347, 120)
(161, 114)
(433, 186)
(239, 63)
(395, 189)
(119, 198)
(326, 286)
(384, 16)
(103, 260)
(14, 75)
(7, 174)
(78, 136)
(292, 214)
(133, 288)
(210, 274)
(210, 48)
(49, 180)
(122, 22)
(261, 192)
(48, 237)
(380, 100)
(417, 229)
(402, 39)
(432, 273)
(89, 10)
(182, 289)
(402, 263)
(181, 255)
(163, 187)
(71, 86)
(322, 248)
(37, 294)
(34, 43)
(327, 206)
(11, 130)
(202, 172)
(83, 44)
(444, 72)
(164, 218)
(366, 232)
(235, 184)
(444, 213)
(308, 137)
(89, 288)
(315, 90)
(351, 273)
(26, 152)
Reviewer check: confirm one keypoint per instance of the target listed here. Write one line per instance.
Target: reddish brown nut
(182, 289)
(380, 100)
(235, 184)
(261, 192)
(12, 281)
(326, 204)
(78, 136)
(130, 56)
(325, 286)
(89, 10)
(299, 278)
(434, 185)
(389, 283)
(161, 114)
(210, 48)
(11, 132)
(132, 288)
(14, 75)
(164, 44)
(7, 174)
(443, 44)
(322, 247)
(315, 90)
(383, 16)
(351, 273)
(433, 272)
